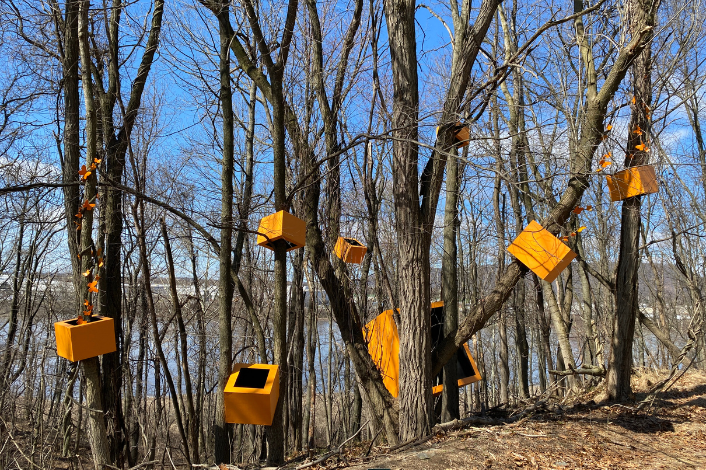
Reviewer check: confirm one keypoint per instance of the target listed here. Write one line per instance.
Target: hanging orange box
(383, 341)
(466, 370)
(462, 133)
(251, 394)
(633, 181)
(282, 226)
(78, 342)
(384, 347)
(350, 250)
(541, 251)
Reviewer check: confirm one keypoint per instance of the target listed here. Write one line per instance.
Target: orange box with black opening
(384, 346)
(462, 134)
(78, 342)
(541, 251)
(466, 369)
(282, 227)
(251, 394)
(350, 250)
(633, 181)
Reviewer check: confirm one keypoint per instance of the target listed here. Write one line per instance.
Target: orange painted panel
(462, 134)
(384, 347)
(541, 251)
(282, 226)
(466, 378)
(633, 181)
(251, 394)
(471, 378)
(350, 250)
(78, 342)
(467, 371)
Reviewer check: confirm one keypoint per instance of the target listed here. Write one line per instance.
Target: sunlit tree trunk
(626, 282)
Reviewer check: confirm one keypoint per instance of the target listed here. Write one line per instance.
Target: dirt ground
(671, 435)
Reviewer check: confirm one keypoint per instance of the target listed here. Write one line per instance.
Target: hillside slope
(671, 434)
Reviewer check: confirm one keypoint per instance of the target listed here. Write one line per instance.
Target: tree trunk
(415, 399)
(449, 398)
(504, 363)
(626, 283)
(296, 351)
(191, 422)
(72, 154)
(225, 281)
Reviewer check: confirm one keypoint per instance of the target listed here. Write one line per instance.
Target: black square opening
(89, 319)
(273, 244)
(250, 377)
(437, 326)
(352, 242)
(464, 367)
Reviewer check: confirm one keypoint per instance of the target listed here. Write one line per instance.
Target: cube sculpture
(251, 394)
(281, 227)
(384, 347)
(466, 369)
(462, 134)
(633, 181)
(350, 250)
(541, 251)
(78, 342)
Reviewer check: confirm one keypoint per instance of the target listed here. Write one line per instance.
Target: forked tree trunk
(626, 283)
(190, 418)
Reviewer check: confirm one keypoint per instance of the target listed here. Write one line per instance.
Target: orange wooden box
(383, 341)
(466, 370)
(384, 347)
(282, 226)
(350, 250)
(251, 394)
(633, 181)
(541, 251)
(463, 134)
(78, 342)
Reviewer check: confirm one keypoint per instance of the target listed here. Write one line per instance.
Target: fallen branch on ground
(596, 371)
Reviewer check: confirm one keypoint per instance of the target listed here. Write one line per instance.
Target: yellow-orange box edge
(462, 382)
(633, 181)
(282, 226)
(79, 342)
(245, 405)
(541, 251)
(350, 253)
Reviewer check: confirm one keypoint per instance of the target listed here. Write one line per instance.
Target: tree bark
(626, 282)
(72, 154)
(415, 400)
(449, 260)
(97, 433)
(191, 421)
(225, 280)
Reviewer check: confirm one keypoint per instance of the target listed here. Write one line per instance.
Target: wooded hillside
(539, 168)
